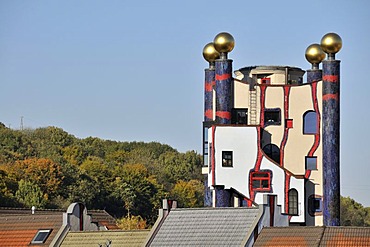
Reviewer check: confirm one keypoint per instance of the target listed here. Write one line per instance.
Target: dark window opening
(205, 146)
(272, 117)
(41, 236)
(272, 151)
(293, 202)
(310, 122)
(261, 181)
(266, 80)
(311, 163)
(227, 158)
(240, 116)
(314, 205)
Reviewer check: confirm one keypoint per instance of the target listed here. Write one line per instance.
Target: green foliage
(29, 194)
(353, 213)
(126, 178)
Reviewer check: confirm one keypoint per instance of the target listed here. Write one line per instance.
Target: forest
(50, 168)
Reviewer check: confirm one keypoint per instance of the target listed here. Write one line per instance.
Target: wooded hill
(49, 168)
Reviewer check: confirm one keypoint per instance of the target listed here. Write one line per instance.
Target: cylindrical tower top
(210, 54)
(331, 43)
(314, 55)
(224, 43)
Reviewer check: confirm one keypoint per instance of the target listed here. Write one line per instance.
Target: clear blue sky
(133, 70)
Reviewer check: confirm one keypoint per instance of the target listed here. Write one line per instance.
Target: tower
(268, 132)
(331, 43)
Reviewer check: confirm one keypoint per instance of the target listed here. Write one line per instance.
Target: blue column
(208, 94)
(222, 197)
(330, 138)
(314, 75)
(224, 98)
(207, 193)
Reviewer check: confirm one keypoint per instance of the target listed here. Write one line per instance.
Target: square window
(227, 158)
(240, 116)
(41, 236)
(261, 181)
(272, 117)
(311, 163)
(266, 80)
(288, 123)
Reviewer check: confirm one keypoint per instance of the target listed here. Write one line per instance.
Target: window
(261, 180)
(272, 117)
(311, 163)
(293, 202)
(314, 205)
(41, 236)
(288, 123)
(273, 152)
(227, 158)
(310, 122)
(240, 116)
(265, 80)
(205, 146)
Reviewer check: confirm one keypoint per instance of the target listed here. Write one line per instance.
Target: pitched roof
(206, 226)
(117, 238)
(314, 236)
(346, 236)
(99, 216)
(19, 230)
(289, 236)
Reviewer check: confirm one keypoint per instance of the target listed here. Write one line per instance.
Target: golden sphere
(331, 43)
(314, 54)
(224, 42)
(210, 53)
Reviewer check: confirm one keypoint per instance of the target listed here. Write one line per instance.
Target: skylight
(41, 236)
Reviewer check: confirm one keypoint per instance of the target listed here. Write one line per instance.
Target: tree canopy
(50, 168)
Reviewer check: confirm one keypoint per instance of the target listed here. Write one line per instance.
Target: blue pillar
(314, 75)
(208, 94)
(224, 81)
(330, 138)
(223, 197)
(207, 193)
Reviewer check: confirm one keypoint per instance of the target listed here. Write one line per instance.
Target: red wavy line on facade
(286, 191)
(286, 131)
(330, 96)
(330, 78)
(208, 87)
(318, 123)
(213, 155)
(223, 114)
(208, 114)
(222, 77)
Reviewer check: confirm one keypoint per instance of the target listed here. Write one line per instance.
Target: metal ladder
(253, 106)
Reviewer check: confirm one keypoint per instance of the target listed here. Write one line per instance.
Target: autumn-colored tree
(43, 172)
(188, 194)
(131, 223)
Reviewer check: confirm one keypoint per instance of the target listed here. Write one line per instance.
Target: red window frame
(260, 176)
(266, 80)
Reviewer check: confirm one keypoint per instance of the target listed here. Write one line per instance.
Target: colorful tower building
(266, 131)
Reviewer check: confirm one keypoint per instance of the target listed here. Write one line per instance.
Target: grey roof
(206, 227)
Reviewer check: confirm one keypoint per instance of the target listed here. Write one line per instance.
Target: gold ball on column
(331, 43)
(314, 54)
(210, 53)
(224, 42)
